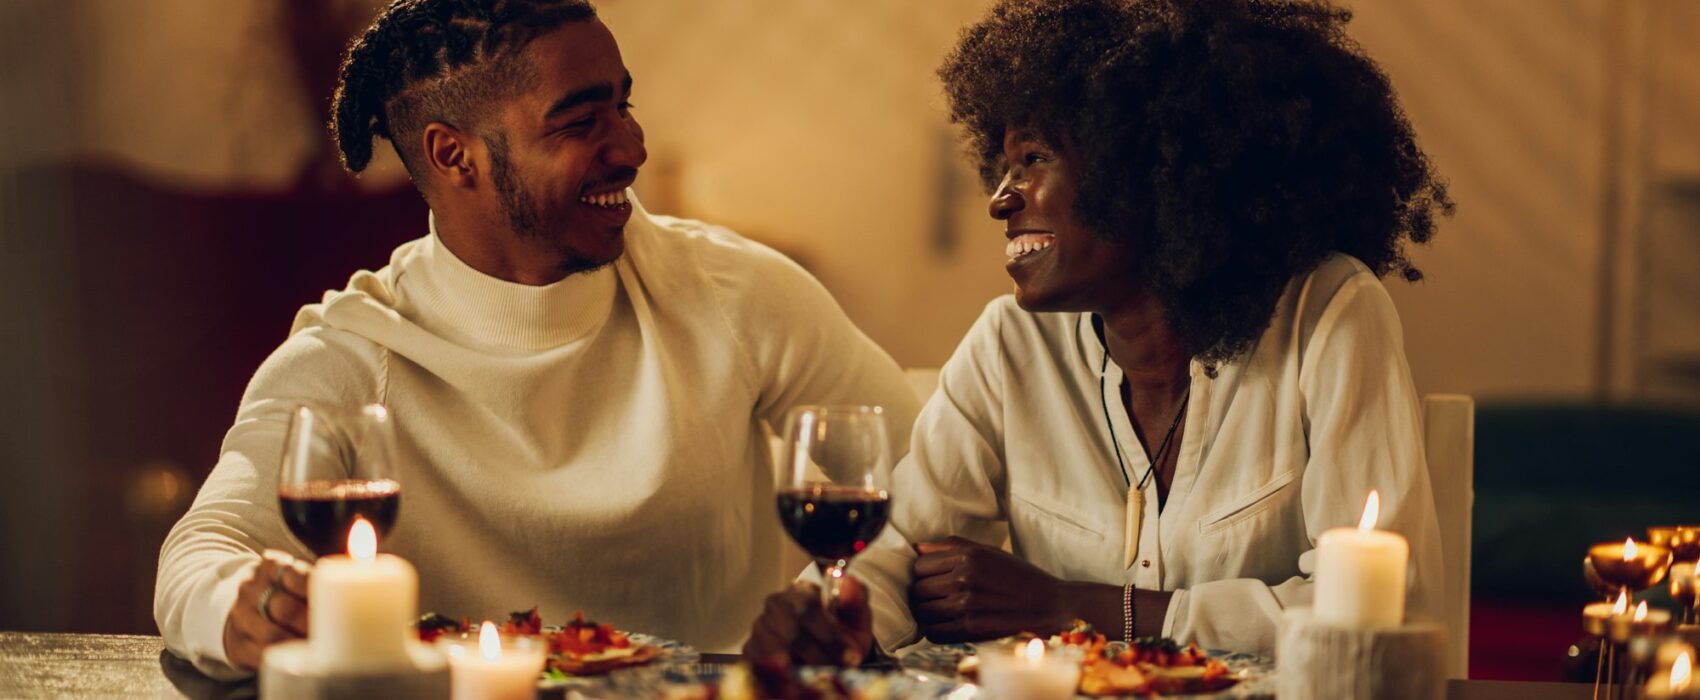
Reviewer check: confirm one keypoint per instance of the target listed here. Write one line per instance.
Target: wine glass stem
(832, 575)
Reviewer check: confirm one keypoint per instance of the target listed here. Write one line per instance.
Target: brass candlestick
(1682, 540)
(1625, 568)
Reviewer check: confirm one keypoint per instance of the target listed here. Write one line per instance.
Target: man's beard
(524, 214)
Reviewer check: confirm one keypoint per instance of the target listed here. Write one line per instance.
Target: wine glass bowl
(337, 466)
(832, 490)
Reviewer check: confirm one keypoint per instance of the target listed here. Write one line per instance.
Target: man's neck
(488, 246)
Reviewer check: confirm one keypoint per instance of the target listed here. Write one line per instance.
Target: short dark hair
(1234, 144)
(425, 61)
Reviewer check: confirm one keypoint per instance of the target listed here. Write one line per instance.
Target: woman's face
(1056, 263)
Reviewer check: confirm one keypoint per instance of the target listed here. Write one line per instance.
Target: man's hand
(964, 591)
(796, 628)
(246, 632)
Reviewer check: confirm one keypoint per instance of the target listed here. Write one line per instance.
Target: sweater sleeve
(800, 347)
(235, 517)
(1365, 432)
(950, 482)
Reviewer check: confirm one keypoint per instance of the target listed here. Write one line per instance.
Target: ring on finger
(266, 596)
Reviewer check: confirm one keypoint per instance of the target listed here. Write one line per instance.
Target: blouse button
(1146, 563)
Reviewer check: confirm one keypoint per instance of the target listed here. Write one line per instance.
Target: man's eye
(626, 106)
(1033, 158)
(579, 124)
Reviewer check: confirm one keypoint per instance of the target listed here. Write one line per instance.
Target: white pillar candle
(1029, 673)
(360, 606)
(1360, 574)
(495, 667)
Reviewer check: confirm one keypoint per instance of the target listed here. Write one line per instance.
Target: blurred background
(169, 195)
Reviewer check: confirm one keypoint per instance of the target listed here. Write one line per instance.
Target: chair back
(1449, 437)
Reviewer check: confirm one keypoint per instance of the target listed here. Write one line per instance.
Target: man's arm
(214, 551)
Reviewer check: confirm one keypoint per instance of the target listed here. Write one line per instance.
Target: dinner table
(64, 665)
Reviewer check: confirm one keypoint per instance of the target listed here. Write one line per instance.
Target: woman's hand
(247, 633)
(796, 628)
(964, 591)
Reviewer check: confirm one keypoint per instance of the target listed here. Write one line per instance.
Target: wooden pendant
(1135, 518)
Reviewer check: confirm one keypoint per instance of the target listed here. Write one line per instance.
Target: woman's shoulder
(1015, 335)
(1341, 286)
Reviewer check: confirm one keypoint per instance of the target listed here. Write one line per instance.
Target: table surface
(40, 665)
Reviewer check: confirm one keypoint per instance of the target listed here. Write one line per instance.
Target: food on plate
(1146, 666)
(579, 648)
(741, 682)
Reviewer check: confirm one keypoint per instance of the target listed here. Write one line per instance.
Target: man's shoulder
(691, 240)
(675, 251)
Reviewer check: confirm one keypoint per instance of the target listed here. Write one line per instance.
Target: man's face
(1057, 264)
(566, 149)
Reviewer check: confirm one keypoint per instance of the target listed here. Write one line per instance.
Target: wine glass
(834, 520)
(337, 466)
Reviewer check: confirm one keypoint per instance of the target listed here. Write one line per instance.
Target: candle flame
(1680, 672)
(1035, 650)
(362, 540)
(1372, 510)
(1629, 549)
(1622, 605)
(489, 642)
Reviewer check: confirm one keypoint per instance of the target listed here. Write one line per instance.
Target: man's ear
(449, 155)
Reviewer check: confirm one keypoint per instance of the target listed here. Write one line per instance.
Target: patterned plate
(1256, 674)
(697, 681)
(672, 654)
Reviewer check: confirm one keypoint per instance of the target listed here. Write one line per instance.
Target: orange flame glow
(1641, 611)
(362, 540)
(1622, 605)
(1372, 510)
(1035, 651)
(1629, 549)
(1680, 672)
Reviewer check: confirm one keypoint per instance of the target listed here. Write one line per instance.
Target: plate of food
(740, 682)
(579, 651)
(1144, 668)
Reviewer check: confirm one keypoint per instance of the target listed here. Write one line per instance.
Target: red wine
(319, 513)
(833, 523)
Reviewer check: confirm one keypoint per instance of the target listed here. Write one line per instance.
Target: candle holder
(1316, 660)
(291, 670)
(494, 666)
(1682, 540)
(1596, 622)
(1630, 565)
(1029, 671)
(1685, 590)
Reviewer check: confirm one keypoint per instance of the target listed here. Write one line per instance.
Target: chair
(1449, 427)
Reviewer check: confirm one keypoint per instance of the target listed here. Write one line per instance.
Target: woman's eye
(1033, 158)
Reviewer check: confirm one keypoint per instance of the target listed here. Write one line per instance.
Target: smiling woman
(1201, 196)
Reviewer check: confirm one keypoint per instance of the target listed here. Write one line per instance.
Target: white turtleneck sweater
(594, 444)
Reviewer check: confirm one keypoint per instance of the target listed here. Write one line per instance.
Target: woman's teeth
(606, 199)
(1027, 243)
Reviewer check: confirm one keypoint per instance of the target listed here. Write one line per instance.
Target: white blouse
(1282, 444)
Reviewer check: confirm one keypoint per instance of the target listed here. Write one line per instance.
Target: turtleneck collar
(473, 309)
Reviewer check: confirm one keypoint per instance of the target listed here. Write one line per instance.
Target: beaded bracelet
(1127, 612)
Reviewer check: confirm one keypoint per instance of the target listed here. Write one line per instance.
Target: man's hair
(1230, 144)
(448, 61)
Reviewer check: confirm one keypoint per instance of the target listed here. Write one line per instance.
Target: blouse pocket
(1048, 514)
(1247, 506)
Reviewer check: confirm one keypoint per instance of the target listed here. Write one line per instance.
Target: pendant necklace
(1135, 492)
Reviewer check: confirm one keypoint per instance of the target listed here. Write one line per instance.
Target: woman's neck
(1146, 349)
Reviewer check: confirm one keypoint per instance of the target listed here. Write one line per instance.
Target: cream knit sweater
(594, 444)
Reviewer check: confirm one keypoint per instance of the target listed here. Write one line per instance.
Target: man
(577, 385)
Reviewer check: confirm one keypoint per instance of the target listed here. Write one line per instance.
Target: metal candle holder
(1624, 567)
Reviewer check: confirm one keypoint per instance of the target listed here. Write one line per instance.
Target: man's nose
(1006, 201)
(626, 148)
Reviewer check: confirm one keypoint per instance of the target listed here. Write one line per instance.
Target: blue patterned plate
(672, 654)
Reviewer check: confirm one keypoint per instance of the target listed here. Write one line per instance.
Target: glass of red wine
(338, 465)
(832, 487)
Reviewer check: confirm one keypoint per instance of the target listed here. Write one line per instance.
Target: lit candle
(1596, 616)
(361, 606)
(1678, 682)
(1029, 673)
(1642, 622)
(1360, 574)
(499, 668)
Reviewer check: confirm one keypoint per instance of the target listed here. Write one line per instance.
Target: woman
(1199, 370)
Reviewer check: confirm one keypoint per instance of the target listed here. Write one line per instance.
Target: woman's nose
(1006, 201)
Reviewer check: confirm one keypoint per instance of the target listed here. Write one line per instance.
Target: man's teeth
(1027, 243)
(606, 199)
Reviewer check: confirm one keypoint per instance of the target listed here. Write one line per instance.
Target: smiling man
(578, 386)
